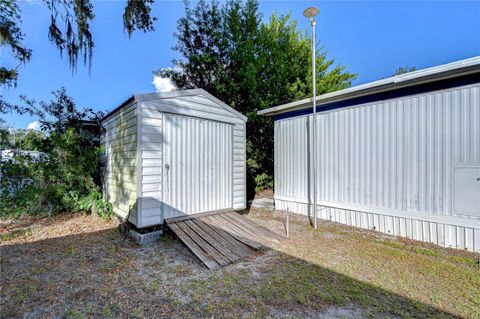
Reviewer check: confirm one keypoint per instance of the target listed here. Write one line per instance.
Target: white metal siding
(151, 167)
(199, 155)
(153, 114)
(239, 166)
(194, 106)
(387, 165)
(119, 142)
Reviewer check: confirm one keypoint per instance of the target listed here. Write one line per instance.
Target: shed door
(197, 172)
(467, 190)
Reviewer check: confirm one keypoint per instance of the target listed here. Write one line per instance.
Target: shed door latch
(167, 186)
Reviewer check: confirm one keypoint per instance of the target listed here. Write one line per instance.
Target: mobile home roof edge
(163, 95)
(445, 71)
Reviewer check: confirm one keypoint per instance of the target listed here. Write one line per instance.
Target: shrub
(263, 181)
(66, 175)
(95, 203)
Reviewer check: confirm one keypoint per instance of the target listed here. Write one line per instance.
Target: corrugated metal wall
(198, 153)
(387, 165)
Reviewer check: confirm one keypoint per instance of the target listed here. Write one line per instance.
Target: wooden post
(287, 227)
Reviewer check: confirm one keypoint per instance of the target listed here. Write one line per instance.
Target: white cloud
(35, 125)
(163, 84)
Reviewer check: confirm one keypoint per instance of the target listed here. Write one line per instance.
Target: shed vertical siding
(119, 143)
(199, 154)
(387, 165)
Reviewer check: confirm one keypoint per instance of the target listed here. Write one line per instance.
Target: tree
(251, 65)
(12, 37)
(405, 69)
(27, 140)
(69, 30)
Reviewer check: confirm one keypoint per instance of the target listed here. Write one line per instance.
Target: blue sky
(370, 38)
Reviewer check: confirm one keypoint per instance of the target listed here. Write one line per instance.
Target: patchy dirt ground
(77, 267)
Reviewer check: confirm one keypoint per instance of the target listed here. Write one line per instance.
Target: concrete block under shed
(144, 239)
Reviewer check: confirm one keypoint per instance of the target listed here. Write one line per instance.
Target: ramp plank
(263, 231)
(203, 244)
(245, 231)
(238, 248)
(254, 231)
(197, 251)
(221, 237)
(237, 232)
(220, 249)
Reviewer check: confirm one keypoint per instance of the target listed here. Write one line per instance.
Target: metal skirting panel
(442, 234)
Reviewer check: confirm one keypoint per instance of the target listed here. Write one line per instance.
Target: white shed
(400, 155)
(173, 154)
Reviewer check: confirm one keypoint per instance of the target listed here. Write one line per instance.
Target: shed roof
(437, 73)
(143, 97)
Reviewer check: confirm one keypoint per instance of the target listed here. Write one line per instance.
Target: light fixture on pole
(311, 13)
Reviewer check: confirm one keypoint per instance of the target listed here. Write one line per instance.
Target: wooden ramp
(221, 238)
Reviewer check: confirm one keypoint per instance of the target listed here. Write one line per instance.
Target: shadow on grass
(92, 274)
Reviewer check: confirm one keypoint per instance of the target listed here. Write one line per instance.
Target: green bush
(94, 203)
(65, 177)
(263, 181)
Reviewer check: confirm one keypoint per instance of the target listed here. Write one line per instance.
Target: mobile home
(400, 155)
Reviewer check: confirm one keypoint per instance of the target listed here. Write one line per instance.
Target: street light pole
(311, 13)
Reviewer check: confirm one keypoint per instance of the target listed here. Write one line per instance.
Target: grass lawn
(77, 267)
